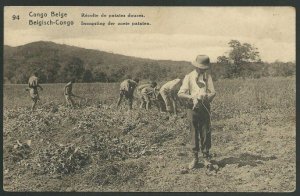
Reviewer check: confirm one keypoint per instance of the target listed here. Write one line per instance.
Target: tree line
(57, 63)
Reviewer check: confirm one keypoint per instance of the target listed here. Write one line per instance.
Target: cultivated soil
(96, 147)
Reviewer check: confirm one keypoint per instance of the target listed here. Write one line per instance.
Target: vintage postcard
(149, 99)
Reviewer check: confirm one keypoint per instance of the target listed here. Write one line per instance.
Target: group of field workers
(33, 86)
(196, 91)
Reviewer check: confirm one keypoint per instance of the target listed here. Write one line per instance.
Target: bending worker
(168, 93)
(147, 94)
(127, 88)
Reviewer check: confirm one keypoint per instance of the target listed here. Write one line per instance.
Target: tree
(100, 77)
(243, 53)
(238, 55)
(73, 69)
(223, 60)
(50, 71)
(100, 74)
(87, 76)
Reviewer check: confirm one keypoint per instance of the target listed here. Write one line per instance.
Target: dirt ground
(97, 147)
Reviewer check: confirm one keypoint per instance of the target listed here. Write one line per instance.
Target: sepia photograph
(149, 99)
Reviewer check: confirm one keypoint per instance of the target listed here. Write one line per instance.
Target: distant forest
(58, 63)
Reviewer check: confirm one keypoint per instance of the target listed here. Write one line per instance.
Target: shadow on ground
(243, 160)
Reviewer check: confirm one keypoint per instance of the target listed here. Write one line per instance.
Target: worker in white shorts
(168, 93)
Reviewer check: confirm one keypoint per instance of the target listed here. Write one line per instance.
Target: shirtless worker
(33, 91)
(69, 94)
(198, 90)
(147, 94)
(127, 88)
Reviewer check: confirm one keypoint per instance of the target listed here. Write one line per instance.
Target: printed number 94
(16, 17)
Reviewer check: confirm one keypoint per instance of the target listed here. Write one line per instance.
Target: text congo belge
(55, 19)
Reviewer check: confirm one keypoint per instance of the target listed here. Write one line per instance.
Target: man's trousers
(200, 134)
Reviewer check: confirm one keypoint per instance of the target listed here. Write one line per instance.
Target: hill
(59, 62)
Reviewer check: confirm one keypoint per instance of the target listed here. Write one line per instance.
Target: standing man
(69, 94)
(168, 92)
(127, 88)
(33, 91)
(198, 91)
(147, 93)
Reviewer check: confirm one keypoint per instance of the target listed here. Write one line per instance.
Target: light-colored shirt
(33, 82)
(148, 91)
(128, 85)
(140, 88)
(171, 85)
(194, 84)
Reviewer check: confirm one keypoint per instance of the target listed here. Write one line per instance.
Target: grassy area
(97, 147)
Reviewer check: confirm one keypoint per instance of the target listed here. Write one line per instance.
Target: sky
(174, 33)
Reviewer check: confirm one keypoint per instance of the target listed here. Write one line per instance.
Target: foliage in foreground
(108, 149)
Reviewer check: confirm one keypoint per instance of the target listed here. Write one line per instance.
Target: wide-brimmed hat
(202, 62)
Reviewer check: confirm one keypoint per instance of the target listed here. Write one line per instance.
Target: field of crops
(96, 147)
